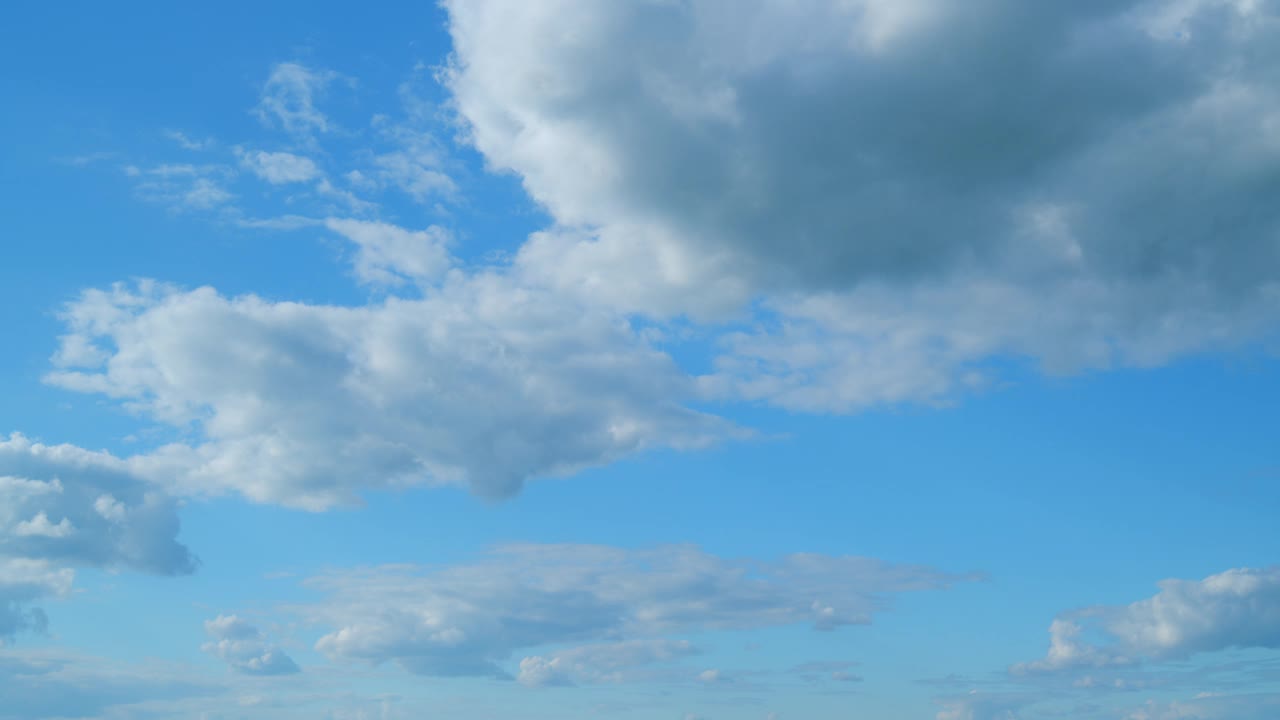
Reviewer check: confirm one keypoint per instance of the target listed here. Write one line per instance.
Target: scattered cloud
(603, 663)
(615, 609)
(87, 159)
(1238, 608)
(244, 648)
(61, 685)
(279, 168)
(187, 143)
(830, 670)
(63, 508)
(389, 255)
(183, 186)
(289, 96)
(984, 706)
(1211, 706)
(478, 382)
(282, 222)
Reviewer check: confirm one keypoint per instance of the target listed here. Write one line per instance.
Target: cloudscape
(641, 360)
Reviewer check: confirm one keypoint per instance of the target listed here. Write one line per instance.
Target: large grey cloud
(913, 187)
(601, 610)
(62, 508)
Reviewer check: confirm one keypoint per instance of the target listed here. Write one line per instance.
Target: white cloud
(289, 96)
(282, 222)
(416, 164)
(417, 173)
(1239, 608)
(22, 581)
(61, 508)
(835, 671)
(479, 382)
(983, 706)
(244, 648)
(1211, 706)
(58, 684)
(186, 142)
(279, 168)
(713, 676)
(183, 186)
(389, 255)
(894, 179)
(602, 663)
(614, 608)
(40, 526)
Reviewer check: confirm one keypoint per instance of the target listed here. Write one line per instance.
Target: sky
(644, 360)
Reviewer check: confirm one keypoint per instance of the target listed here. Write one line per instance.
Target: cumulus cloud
(244, 648)
(1239, 608)
(63, 508)
(478, 381)
(279, 168)
(615, 609)
(913, 188)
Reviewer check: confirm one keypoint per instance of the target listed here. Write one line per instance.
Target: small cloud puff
(244, 648)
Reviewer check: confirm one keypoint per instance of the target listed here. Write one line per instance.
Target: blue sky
(640, 360)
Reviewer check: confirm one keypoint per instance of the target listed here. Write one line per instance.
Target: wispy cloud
(183, 186)
(279, 168)
(187, 143)
(87, 159)
(289, 97)
(616, 608)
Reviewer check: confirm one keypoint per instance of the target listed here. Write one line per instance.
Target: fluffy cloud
(479, 382)
(61, 508)
(615, 609)
(914, 187)
(244, 648)
(390, 255)
(1238, 608)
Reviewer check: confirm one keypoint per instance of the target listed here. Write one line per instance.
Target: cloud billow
(63, 508)
(479, 383)
(911, 188)
(1237, 608)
